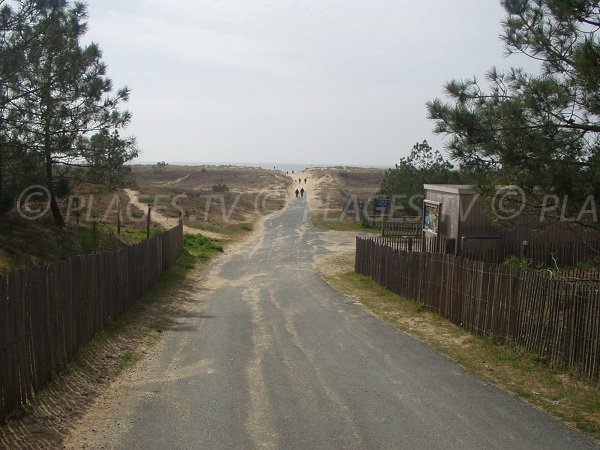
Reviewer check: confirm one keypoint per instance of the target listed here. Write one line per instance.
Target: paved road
(272, 357)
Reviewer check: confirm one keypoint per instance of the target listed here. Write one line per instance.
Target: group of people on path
(301, 191)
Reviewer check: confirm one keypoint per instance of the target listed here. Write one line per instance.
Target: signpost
(432, 215)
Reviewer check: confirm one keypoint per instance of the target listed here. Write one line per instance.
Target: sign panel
(431, 216)
(381, 205)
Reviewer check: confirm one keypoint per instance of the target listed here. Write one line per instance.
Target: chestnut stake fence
(47, 313)
(557, 319)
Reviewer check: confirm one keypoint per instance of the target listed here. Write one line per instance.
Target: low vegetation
(329, 221)
(404, 184)
(25, 243)
(201, 247)
(231, 230)
(338, 193)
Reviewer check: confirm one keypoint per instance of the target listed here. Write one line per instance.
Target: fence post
(119, 215)
(76, 206)
(524, 248)
(94, 234)
(148, 222)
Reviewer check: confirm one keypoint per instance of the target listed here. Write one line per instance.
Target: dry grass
(338, 186)
(337, 192)
(253, 192)
(248, 192)
(564, 395)
(203, 178)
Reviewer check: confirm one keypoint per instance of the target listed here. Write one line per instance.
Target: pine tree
(540, 131)
(406, 180)
(64, 114)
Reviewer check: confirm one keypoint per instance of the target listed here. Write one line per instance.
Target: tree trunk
(2, 150)
(59, 221)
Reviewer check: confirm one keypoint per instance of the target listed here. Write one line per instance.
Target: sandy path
(315, 189)
(312, 188)
(170, 183)
(169, 222)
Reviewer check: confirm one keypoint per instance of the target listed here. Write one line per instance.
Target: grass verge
(330, 220)
(133, 235)
(233, 230)
(197, 249)
(565, 395)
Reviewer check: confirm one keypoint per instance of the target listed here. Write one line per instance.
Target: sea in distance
(284, 167)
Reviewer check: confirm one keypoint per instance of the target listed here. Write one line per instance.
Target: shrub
(220, 187)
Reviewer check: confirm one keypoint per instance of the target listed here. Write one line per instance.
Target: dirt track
(169, 222)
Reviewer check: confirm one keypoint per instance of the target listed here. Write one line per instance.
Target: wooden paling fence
(402, 226)
(543, 251)
(374, 221)
(47, 313)
(397, 226)
(417, 243)
(557, 319)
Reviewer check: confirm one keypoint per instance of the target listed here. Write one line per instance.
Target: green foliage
(420, 307)
(220, 187)
(404, 183)
(139, 234)
(59, 116)
(518, 262)
(63, 189)
(25, 244)
(539, 131)
(229, 230)
(159, 167)
(6, 202)
(106, 153)
(200, 246)
(593, 263)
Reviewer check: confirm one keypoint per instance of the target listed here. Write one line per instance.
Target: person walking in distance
(305, 180)
(297, 192)
(302, 192)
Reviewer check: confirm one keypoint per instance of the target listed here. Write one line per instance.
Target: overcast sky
(290, 81)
